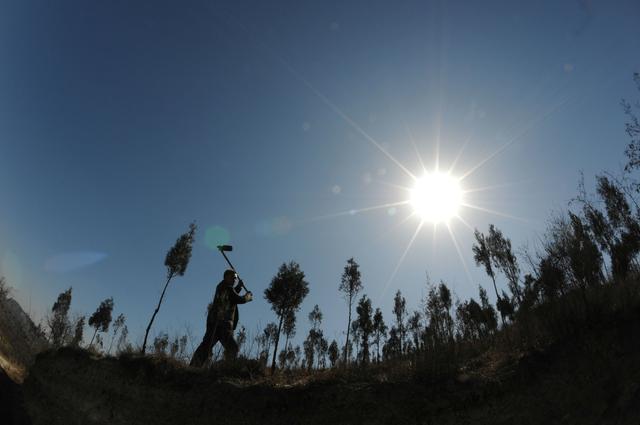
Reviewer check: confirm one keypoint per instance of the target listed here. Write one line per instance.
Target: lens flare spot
(70, 261)
(277, 226)
(215, 236)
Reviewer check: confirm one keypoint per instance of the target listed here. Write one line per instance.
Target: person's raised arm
(240, 299)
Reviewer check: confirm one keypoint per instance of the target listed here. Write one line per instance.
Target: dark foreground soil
(594, 378)
(12, 409)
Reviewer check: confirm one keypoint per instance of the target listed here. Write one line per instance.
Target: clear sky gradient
(123, 121)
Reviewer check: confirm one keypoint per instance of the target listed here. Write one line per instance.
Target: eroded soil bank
(592, 379)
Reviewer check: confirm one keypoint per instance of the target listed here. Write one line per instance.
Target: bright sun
(436, 197)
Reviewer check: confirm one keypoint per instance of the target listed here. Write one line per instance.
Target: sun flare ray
(487, 159)
(402, 257)
(527, 128)
(415, 148)
(346, 117)
(393, 185)
(465, 223)
(493, 187)
(457, 158)
(494, 212)
(464, 263)
(397, 225)
(354, 211)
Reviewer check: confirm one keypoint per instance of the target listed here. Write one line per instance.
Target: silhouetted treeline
(584, 269)
(584, 253)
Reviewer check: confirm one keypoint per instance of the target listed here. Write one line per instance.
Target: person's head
(229, 276)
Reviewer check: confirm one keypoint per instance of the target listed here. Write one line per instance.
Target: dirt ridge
(592, 379)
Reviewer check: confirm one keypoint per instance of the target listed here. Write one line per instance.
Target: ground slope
(20, 341)
(593, 378)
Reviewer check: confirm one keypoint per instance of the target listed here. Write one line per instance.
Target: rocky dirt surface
(592, 379)
(12, 411)
(20, 340)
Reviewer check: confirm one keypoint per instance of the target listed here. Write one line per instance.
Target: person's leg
(230, 345)
(203, 352)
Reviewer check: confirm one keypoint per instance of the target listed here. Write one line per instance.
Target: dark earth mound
(11, 402)
(594, 378)
(20, 340)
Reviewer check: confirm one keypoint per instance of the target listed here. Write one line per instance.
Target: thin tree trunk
(346, 344)
(495, 288)
(146, 334)
(365, 350)
(94, 335)
(111, 344)
(286, 349)
(275, 349)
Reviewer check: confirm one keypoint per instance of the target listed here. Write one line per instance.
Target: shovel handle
(233, 268)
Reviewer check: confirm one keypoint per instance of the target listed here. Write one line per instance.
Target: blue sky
(121, 122)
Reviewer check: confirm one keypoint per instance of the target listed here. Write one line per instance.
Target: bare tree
(265, 339)
(58, 321)
(117, 325)
(160, 344)
(79, 331)
(241, 337)
(365, 326)
(333, 353)
(414, 326)
(309, 350)
(489, 317)
(189, 333)
(350, 286)
(176, 261)
(316, 338)
(504, 260)
(633, 131)
(178, 348)
(438, 314)
(122, 344)
(289, 329)
(400, 311)
(379, 331)
(355, 340)
(624, 229)
(484, 254)
(101, 318)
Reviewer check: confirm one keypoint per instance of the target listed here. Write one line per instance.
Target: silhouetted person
(222, 319)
